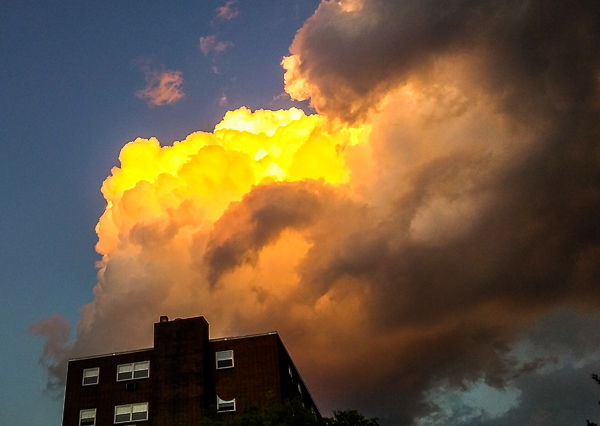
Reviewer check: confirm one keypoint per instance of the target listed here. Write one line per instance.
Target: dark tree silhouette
(291, 413)
(597, 380)
(349, 418)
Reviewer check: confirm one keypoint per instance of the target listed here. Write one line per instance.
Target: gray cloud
(470, 220)
(528, 49)
(57, 331)
(247, 227)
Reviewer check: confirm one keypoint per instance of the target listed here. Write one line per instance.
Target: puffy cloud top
(416, 252)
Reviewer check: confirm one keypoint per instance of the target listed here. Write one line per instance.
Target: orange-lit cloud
(211, 44)
(442, 203)
(162, 88)
(228, 11)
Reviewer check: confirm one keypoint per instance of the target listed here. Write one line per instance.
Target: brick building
(180, 378)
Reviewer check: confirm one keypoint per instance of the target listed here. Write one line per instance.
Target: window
(224, 359)
(131, 413)
(87, 417)
(90, 376)
(136, 370)
(224, 406)
(299, 390)
(290, 371)
(141, 370)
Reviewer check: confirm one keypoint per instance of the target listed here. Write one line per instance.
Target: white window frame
(87, 410)
(130, 408)
(221, 402)
(224, 356)
(133, 366)
(97, 376)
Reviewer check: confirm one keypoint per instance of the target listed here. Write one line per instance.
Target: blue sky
(451, 279)
(68, 105)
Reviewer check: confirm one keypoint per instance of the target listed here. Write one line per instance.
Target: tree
(349, 418)
(597, 380)
(290, 413)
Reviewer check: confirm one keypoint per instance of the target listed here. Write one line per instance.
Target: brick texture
(184, 381)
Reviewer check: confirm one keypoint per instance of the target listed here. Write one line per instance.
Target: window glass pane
(140, 416)
(88, 414)
(142, 365)
(223, 405)
(140, 407)
(87, 417)
(90, 376)
(225, 363)
(125, 372)
(224, 359)
(125, 368)
(90, 372)
(224, 355)
(122, 418)
(122, 413)
(141, 369)
(123, 409)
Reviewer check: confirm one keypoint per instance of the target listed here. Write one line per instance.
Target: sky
(407, 191)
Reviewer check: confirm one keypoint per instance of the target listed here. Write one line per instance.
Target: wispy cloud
(211, 44)
(228, 11)
(223, 101)
(464, 223)
(162, 87)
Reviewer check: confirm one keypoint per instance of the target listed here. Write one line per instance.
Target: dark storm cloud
(565, 396)
(535, 51)
(476, 216)
(531, 239)
(250, 225)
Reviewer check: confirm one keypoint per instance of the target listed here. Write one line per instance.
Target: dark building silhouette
(182, 378)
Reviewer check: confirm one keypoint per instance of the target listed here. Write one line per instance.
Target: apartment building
(183, 377)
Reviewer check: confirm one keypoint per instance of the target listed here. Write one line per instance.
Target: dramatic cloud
(347, 59)
(228, 11)
(160, 252)
(411, 241)
(57, 331)
(211, 44)
(162, 88)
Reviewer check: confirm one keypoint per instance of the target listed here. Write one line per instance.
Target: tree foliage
(349, 418)
(291, 413)
(597, 380)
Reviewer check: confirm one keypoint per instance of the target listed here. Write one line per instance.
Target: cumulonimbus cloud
(162, 88)
(418, 248)
(348, 59)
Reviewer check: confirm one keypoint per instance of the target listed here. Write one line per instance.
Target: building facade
(185, 376)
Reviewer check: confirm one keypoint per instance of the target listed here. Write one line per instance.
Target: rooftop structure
(181, 377)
